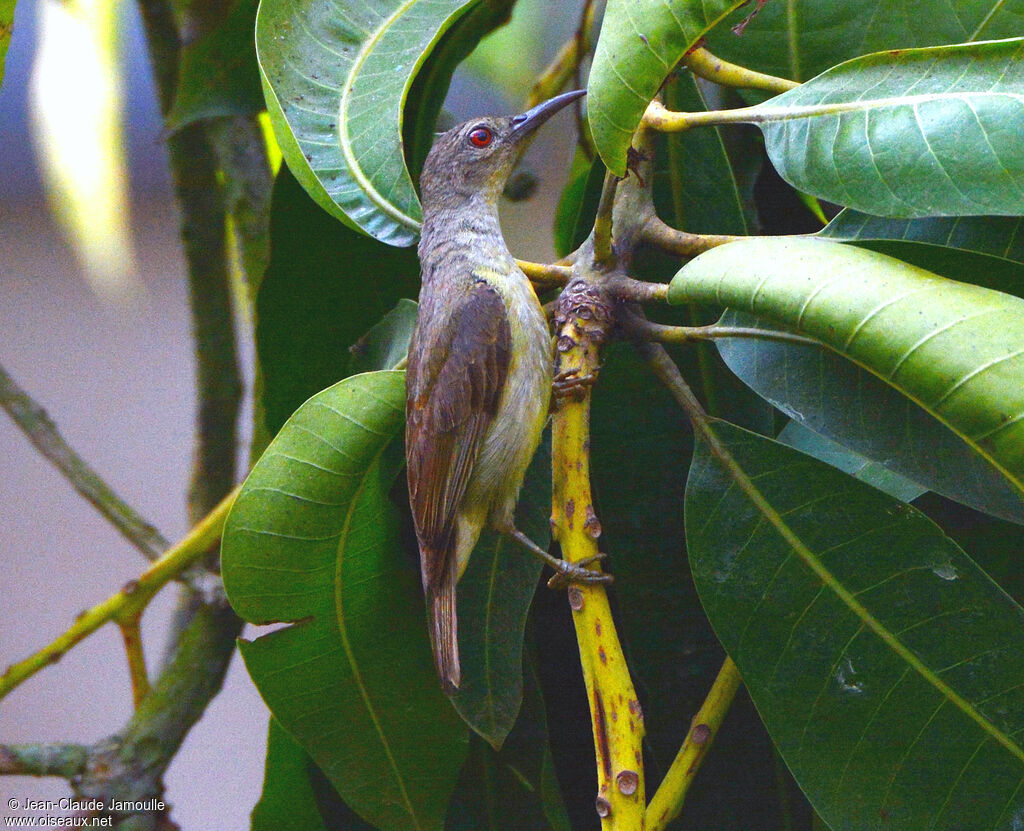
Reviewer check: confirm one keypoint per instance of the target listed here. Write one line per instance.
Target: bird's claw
(571, 383)
(577, 574)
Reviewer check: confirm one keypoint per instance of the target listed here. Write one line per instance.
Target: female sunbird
(479, 374)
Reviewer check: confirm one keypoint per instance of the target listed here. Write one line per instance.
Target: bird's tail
(444, 630)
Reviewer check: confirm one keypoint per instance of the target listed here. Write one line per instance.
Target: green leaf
(218, 74)
(835, 398)
(326, 285)
(386, 345)
(494, 599)
(430, 87)
(985, 250)
(800, 38)
(512, 789)
(313, 540)
(955, 350)
(907, 133)
(805, 440)
(6, 26)
(577, 206)
(887, 666)
(287, 802)
(336, 75)
(640, 43)
(711, 172)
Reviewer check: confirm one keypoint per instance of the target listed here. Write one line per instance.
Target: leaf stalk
(705, 65)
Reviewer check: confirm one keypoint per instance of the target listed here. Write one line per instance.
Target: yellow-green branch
(130, 600)
(131, 634)
(616, 717)
(702, 63)
(668, 800)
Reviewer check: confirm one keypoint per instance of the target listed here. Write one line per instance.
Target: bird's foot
(577, 574)
(570, 384)
(566, 573)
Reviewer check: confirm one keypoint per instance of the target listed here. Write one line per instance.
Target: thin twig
(665, 369)
(668, 799)
(636, 291)
(582, 37)
(218, 386)
(705, 65)
(132, 598)
(64, 760)
(41, 431)
(131, 634)
(566, 62)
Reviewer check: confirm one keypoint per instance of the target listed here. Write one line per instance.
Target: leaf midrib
(762, 504)
(343, 631)
(762, 114)
(343, 135)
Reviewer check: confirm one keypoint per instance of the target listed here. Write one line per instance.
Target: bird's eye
(480, 137)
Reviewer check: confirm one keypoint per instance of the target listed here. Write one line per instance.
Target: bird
(479, 370)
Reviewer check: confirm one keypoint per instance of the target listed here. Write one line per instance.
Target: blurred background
(94, 326)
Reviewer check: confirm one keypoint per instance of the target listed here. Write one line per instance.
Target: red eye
(480, 137)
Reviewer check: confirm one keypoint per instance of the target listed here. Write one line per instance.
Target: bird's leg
(566, 573)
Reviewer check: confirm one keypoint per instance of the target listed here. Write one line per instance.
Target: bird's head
(477, 157)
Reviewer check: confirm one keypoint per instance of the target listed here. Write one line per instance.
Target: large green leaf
(986, 250)
(956, 350)
(287, 802)
(313, 540)
(640, 43)
(6, 25)
(887, 666)
(832, 453)
(908, 133)
(999, 237)
(836, 399)
(336, 75)
(494, 599)
(326, 285)
(511, 789)
(799, 38)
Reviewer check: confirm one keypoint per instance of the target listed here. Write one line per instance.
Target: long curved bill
(524, 124)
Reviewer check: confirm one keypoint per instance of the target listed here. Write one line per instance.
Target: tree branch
(128, 602)
(583, 322)
(545, 275)
(64, 760)
(668, 800)
(41, 431)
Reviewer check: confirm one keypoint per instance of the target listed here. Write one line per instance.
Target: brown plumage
(479, 372)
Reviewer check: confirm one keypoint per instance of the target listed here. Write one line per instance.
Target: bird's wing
(455, 378)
